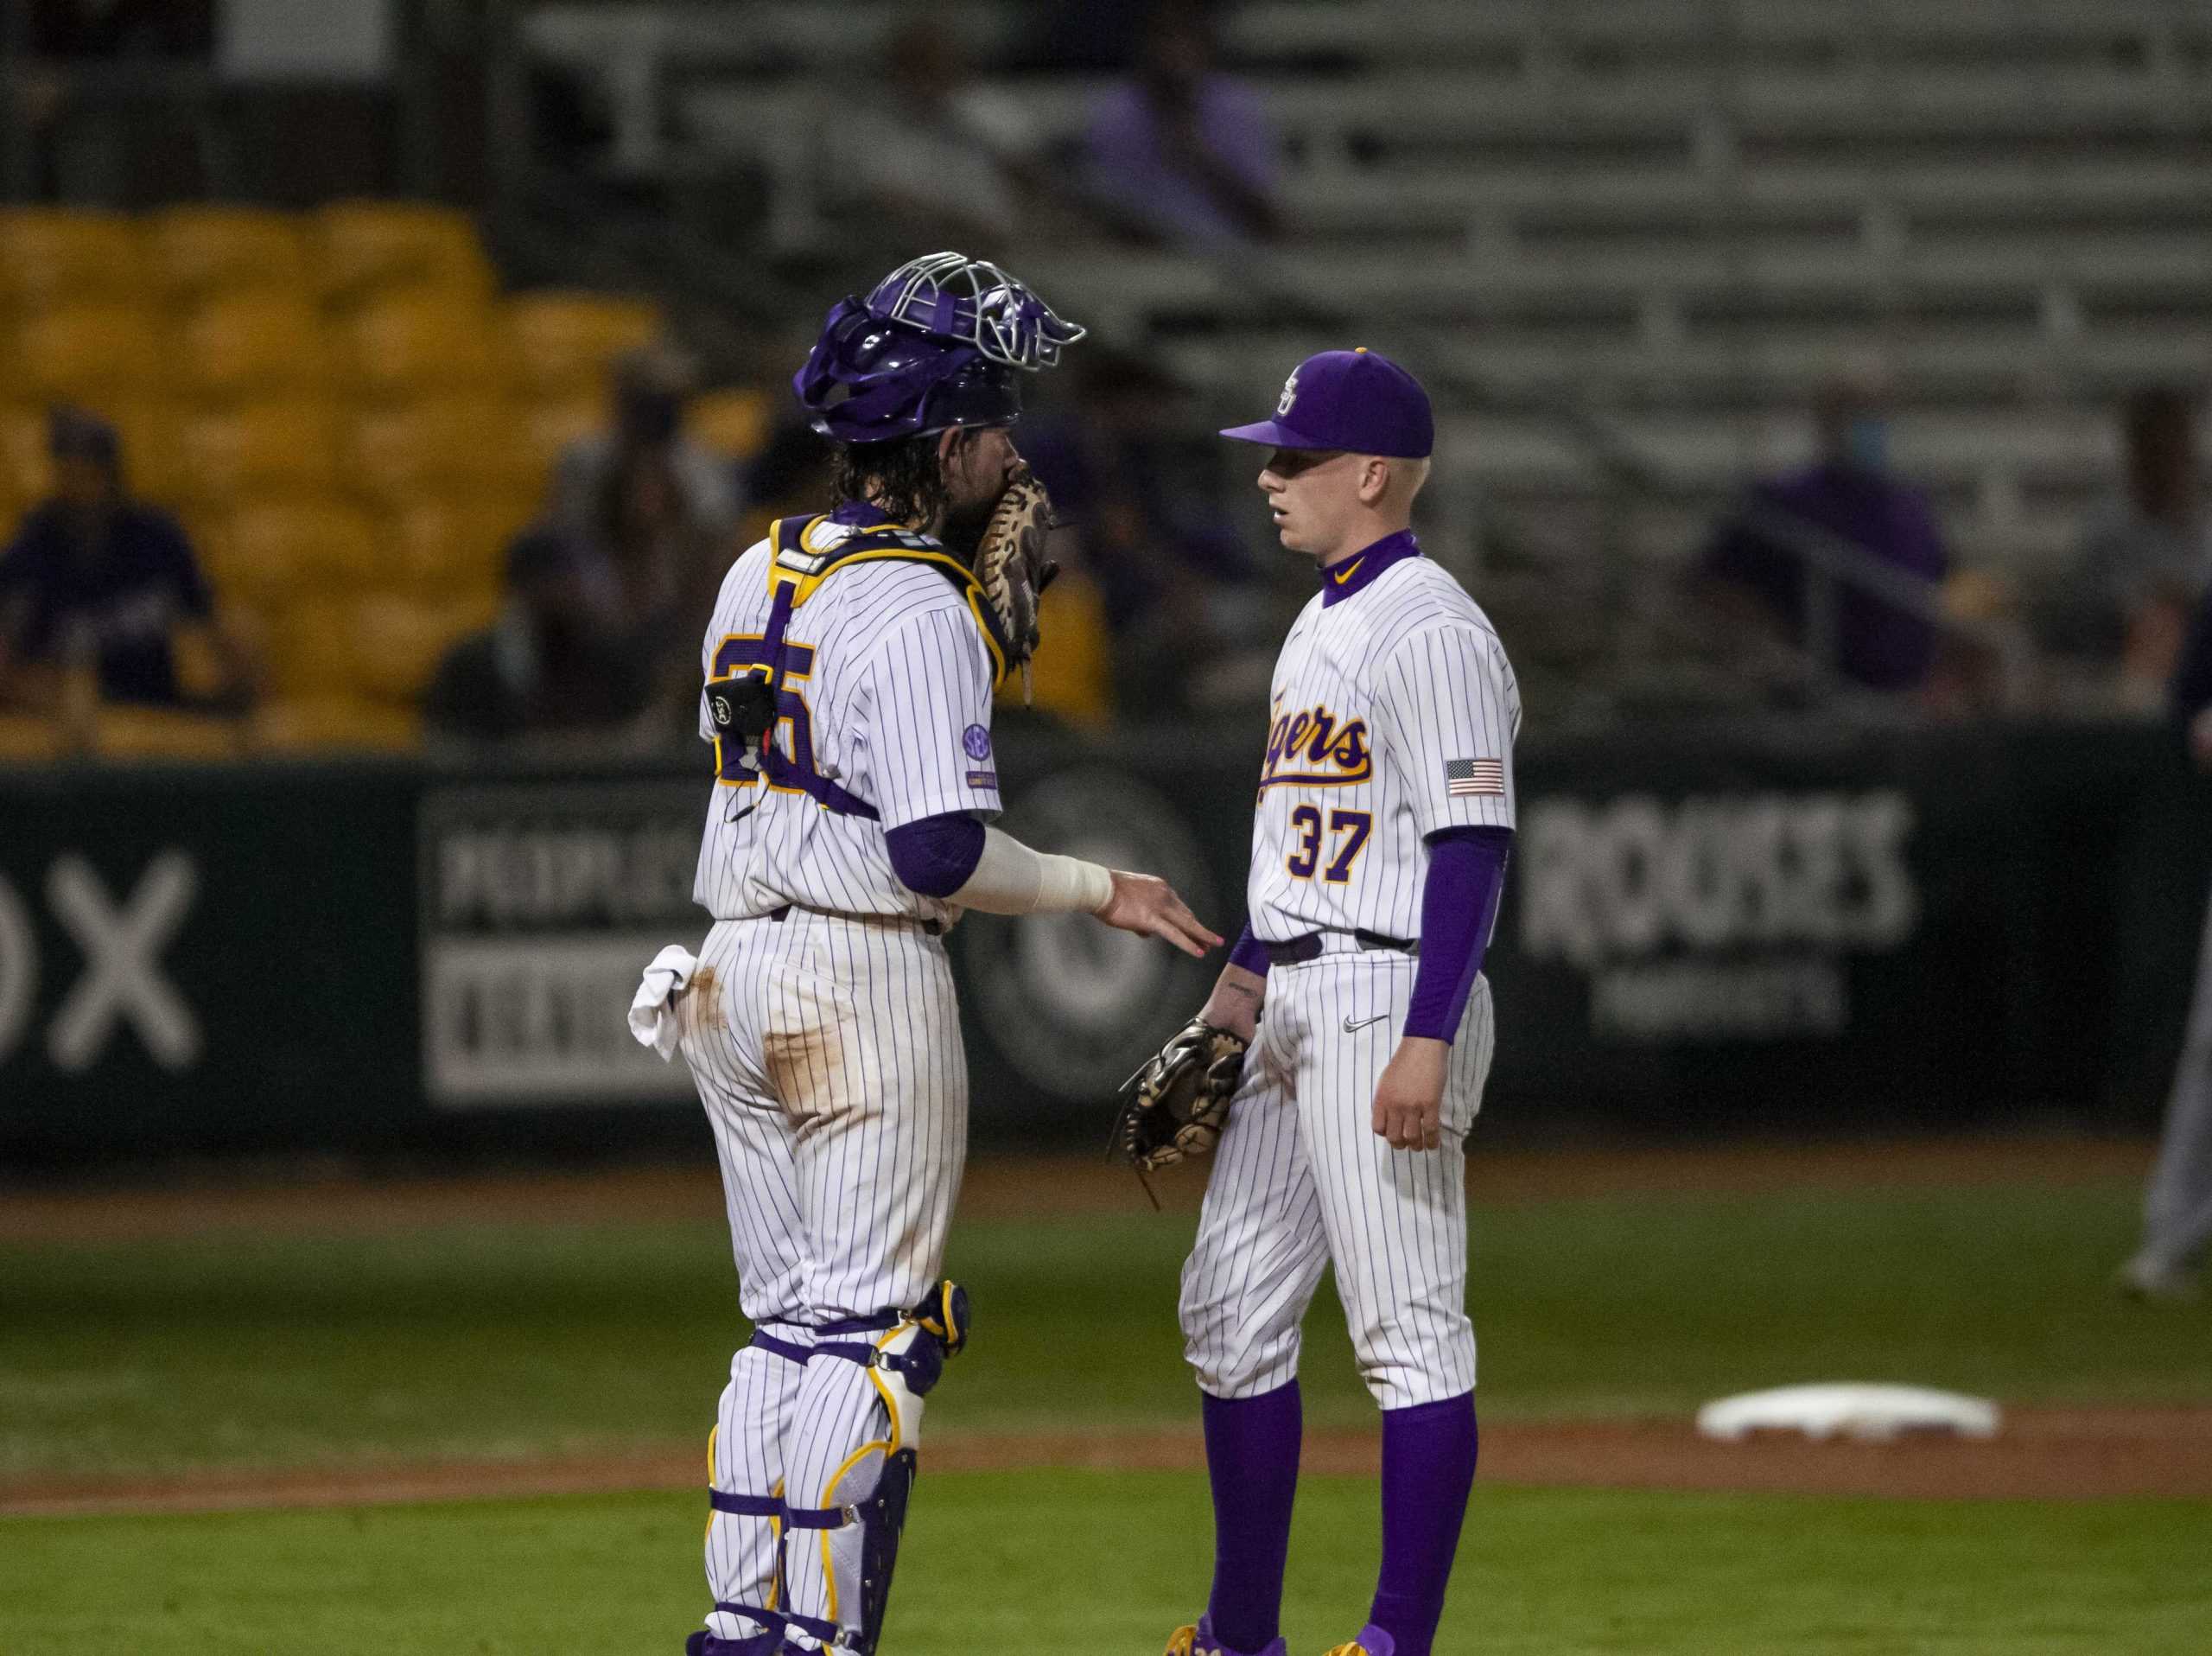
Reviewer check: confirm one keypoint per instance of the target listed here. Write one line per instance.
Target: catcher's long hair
(903, 476)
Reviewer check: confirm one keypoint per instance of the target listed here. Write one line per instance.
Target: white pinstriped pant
(827, 1053)
(1300, 1179)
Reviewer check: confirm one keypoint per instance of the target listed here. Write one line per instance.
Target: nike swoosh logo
(1350, 568)
(1354, 1029)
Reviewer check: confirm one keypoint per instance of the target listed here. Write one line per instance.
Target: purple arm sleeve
(935, 854)
(1248, 952)
(1458, 906)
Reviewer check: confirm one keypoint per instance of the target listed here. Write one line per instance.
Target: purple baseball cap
(1353, 400)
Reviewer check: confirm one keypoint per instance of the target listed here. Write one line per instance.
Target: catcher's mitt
(1176, 1104)
(1011, 564)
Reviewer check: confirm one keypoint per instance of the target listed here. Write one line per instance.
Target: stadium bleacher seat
(400, 455)
(564, 343)
(29, 474)
(153, 464)
(199, 251)
(269, 550)
(411, 341)
(51, 257)
(280, 445)
(732, 422)
(251, 344)
(549, 425)
(453, 545)
(318, 723)
(159, 735)
(363, 247)
(91, 352)
(397, 639)
(26, 740)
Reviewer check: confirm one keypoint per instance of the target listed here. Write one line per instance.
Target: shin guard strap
(820, 1518)
(745, 1505)
(770, 1622)
(829, 1632)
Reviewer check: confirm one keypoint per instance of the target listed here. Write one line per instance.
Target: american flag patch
(1463, 777)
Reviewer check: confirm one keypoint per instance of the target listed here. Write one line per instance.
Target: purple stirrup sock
(1428, 1467)
(1252, 1458)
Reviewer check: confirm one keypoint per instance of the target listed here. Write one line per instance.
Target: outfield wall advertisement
(1748, 932)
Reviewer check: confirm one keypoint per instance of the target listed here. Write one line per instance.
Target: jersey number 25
(1349, 829)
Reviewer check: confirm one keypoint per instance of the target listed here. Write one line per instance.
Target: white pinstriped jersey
(1394, 714)
(888, 693)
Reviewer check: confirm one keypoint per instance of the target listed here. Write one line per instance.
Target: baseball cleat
(2148, 1278)
(1372, 1641)
(1198, 1640)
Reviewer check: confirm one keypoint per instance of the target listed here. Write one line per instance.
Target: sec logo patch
(975, 741)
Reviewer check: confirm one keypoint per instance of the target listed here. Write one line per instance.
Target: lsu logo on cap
(1289, 395)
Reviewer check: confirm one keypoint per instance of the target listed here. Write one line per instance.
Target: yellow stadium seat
(53, 256)
(158, 733)
(566, 342)
(365, 246)
(1073, 673)
(251, 344)
(396, 456)
(454, 545)
(399, 640)
(306, 724)
(272, 549)
(282, 445)
(153, 465)
(28, 469)
(547, 428)
(197, 251)
(26, 740)
(308, 647)
(86, 352)
(421, 340)
(732, 423)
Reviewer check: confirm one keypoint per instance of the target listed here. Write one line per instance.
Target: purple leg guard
(1252, 1460)
(1429, 1467)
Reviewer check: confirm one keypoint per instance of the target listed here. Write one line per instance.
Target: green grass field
(239, 1351)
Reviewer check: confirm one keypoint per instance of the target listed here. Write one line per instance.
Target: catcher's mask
(937, 343)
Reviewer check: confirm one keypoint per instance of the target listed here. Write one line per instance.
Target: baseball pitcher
(1378, 854)
(850, 670)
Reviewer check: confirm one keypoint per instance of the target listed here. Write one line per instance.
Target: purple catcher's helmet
(935, 344)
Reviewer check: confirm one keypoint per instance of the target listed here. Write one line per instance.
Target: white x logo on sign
(123, 976)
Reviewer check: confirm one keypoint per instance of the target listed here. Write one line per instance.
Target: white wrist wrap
(1011, 879)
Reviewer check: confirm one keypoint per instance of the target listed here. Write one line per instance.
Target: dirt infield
(337, 1202)
(2040, 1454)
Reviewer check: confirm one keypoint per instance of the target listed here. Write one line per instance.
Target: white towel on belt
(652, 1014)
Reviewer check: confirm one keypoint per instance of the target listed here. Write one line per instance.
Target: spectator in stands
(646, 434)
(1849, 495)
(936, 158)
(1181, 154)
(95, 582)
(659, 511)
(1182, 593)
(557, 665)
(2144, 556)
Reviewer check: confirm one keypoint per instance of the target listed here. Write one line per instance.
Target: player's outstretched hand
(1409, 1099)
(1148, 905)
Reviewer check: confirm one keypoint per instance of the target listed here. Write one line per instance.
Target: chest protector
(749, 703)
